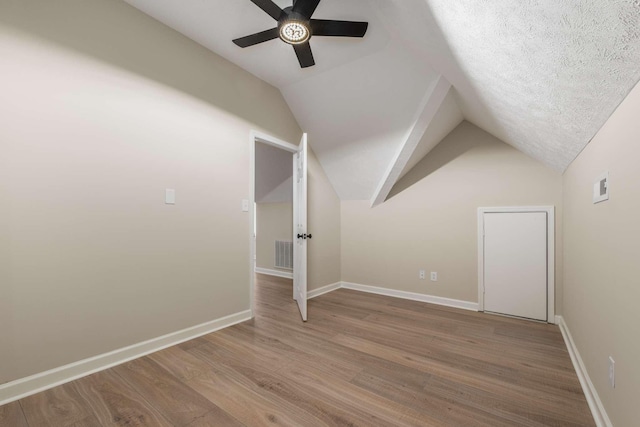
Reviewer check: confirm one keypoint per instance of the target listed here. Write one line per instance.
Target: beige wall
(602, 261)
(102, 109)
(323, 216)
(430, 220)
(275, 222)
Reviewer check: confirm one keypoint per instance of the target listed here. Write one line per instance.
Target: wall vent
(601, 188)
(284, 254)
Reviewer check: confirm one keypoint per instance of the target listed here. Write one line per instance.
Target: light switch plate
(245, 205)
(170, 196)
(612, 372)
(601, 188)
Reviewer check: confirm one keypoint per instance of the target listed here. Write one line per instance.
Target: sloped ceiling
(542, 75)
(274, 175)
(446, 119)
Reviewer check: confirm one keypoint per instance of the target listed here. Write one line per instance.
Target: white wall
(430, 220)
(102, 109)
(602, 261)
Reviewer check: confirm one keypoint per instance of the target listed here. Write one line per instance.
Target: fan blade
(305, 7)
(303, 52)
(270, 7)
(325, 27)
(256, 38)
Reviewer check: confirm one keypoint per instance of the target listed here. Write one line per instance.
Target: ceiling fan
(296, 27)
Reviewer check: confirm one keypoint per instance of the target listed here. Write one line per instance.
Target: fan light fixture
(296, 26)
(294, 32)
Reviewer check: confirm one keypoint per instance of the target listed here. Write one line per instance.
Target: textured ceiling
(542, 75)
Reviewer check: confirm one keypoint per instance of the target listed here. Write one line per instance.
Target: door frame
(551, 243)
(254, 137)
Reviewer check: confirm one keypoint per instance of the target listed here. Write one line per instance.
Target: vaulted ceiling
(542, 75)
(274, 175)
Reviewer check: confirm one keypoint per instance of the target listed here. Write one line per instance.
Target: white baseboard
(595, 404)
(276, 273)
(323, 290)
(466, 305)
(27, 386)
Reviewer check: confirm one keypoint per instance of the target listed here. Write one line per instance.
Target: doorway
(273, 217)
(288, 176)
(516, 262)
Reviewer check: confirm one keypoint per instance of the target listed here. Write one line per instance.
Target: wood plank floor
(361, 360)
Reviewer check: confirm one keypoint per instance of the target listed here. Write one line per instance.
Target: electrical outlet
(612, 372)
(434, 276)
(421, 274)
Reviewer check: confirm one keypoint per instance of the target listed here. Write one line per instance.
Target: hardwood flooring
(361, 360)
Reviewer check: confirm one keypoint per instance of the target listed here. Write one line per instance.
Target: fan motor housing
(293, 27)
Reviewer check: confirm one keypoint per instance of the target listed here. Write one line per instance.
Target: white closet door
(515, 264)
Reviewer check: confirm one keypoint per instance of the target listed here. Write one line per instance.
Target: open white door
(300, 227)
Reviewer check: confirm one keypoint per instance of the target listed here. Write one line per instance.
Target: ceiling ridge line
(429, 106)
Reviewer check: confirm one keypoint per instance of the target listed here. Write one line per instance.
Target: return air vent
(601, 188)
(284, 254)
